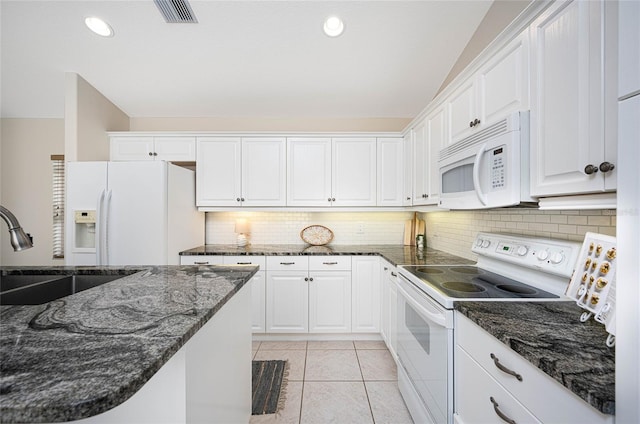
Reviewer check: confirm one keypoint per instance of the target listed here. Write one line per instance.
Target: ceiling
(242, 58)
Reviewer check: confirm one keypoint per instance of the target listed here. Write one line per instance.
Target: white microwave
(488, 169)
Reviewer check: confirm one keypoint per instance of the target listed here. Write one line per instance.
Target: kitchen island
(134, 347)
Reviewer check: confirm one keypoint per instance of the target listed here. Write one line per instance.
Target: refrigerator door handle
(100, 228)
(107, 227)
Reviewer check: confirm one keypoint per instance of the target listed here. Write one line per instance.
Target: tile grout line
(304, 379)
(366, 392)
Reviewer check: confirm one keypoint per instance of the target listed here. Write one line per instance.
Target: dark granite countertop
(551, 337)
(395, 254)
(81, 355)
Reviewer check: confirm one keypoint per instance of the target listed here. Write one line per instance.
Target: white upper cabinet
(234, 171)
(407, 198)
(263, 171)
(573, 136)
(353, 180)
(419, 165)
(218, 171)
(309, 172)
(503, 82)
(499, 87)
(428, 139)
(390, 173)
(137, 148)
(331, 172)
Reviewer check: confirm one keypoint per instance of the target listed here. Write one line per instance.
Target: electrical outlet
(360, 228)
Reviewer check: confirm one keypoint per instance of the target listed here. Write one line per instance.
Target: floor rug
(266, 379)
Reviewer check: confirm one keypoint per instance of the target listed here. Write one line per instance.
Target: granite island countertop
(81, 355)
(395, 254)
(551, 337)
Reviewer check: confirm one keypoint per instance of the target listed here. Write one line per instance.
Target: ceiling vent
(176, 11)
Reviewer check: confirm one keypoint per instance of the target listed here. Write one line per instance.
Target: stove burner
(461, 286)
(512, 288)
(465, 270)
(430, 270)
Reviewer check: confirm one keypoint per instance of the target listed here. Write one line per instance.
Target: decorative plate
(316, 235)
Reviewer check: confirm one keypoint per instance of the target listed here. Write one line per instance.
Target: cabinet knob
(333, 199)
(155, 153)
(150, 153)
(408, 198)
(471, 124)
(606, 166)
(329, 199)
(306, 279)
(237, 199)
(476, 122)
(590, 169)
(242, 199)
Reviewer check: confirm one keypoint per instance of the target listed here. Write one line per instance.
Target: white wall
(285, 227)
(455, 231)
(26, 180)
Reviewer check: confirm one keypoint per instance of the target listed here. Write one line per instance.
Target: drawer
(200, 260)
(330, 263)
(246, 260)
(546, 398)
(474, 394)
(287, 263)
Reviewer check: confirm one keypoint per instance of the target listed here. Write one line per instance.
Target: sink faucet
(19, 240)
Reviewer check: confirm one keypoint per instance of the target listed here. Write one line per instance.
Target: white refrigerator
(130, 213)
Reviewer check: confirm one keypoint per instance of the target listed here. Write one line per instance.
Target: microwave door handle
(476, 175)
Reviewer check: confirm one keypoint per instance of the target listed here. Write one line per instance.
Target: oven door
(425, 355)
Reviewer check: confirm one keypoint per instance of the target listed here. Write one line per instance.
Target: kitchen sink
(38, 289)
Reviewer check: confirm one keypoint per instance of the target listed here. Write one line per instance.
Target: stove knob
(543, 255)
(479, 242)
(486, 243)
(522, 250)
(557, 257)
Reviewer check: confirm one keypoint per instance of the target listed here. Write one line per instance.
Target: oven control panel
(549, 255)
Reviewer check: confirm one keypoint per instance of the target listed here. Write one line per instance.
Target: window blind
(57, 163)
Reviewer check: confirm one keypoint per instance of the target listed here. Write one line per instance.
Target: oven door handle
(433, 316)
(476, 175)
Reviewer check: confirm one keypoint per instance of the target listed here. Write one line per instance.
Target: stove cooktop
(460, 282)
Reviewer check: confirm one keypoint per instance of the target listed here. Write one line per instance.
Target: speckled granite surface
(395, 254)
(551, 337)
(83, 354)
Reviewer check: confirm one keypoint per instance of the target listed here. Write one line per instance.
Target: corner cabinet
(390, 158)
(428, 138)
(234, 171)
(148, 148)
(573, 105)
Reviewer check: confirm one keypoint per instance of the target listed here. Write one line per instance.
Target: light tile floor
(340, 382)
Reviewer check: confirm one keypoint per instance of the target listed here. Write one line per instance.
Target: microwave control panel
(498, 165)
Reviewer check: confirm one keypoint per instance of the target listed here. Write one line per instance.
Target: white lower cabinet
(365, 294)
(329, 301)
(258, 289)
(487, 388)
(388, 318)
(287, 297)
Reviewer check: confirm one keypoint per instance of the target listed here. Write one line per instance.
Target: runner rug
(267, 379)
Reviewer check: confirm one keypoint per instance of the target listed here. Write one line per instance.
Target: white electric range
(509, 268)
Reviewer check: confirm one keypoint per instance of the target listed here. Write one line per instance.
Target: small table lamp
(242, 228)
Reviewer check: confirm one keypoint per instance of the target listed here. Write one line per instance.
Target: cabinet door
(365, 294)
(436, 141)
(462, 111)
(420, 167)
(175, 149)
(258, 314)
(287, 305)
(353, 179)
(503, 83)
(131, 148)
(407, 198)
(330, 302)
(390, 171)
(566, 115)
(308, 172)
(263, 171)
(218, 173)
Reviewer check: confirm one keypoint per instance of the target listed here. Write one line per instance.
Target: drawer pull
(393, 274)
(287, 263)
(504, 369)
(329, 263)
(502, 416)
(243, 263)
(201, 263)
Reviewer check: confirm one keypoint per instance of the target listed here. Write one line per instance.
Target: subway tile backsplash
(450, 231)
(285, 227)
(455, 231)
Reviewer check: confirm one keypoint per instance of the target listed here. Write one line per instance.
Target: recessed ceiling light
(99, 26)
(333, 26)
